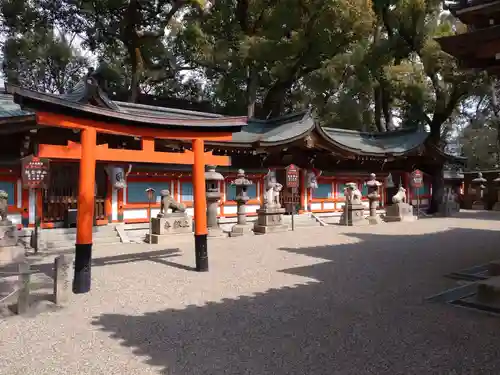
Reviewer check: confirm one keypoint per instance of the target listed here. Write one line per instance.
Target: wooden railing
(54, 208)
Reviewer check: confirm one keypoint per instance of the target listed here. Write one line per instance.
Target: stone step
(100, 228)
(48, 235)
(67, 244)
(301, 222)
(488, 291)
(494, 268)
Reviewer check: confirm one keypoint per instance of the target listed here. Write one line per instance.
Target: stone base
(164, 239)
(374, 220)
(239, 230)
(8, 234)
(269, 220)
(263, 229)
(353, 214)
(448, 209)
(216, 232)
(488, 291)
(478, 206)
(496, 206)
(399, 212)
(494, 268)
(174, 223)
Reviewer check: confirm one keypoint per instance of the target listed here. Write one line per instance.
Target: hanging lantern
(389, 183)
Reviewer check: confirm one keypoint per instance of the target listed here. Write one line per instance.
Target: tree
(42, 61)
(257, 55)
(129, 33)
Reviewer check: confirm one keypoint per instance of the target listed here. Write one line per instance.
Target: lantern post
(150, 192)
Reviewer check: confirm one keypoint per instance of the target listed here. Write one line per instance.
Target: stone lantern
(373, 197)
(212, 179)
(241, 183)
(479, 186)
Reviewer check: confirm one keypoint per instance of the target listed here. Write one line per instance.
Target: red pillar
(200, 206)
(108, 205)
(85, 215)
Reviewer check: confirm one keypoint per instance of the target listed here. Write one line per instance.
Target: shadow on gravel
(479, 215)
(366, 314)
(158, 256)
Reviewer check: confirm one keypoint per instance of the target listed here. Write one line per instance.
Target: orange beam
(73, 151)
(69, 122)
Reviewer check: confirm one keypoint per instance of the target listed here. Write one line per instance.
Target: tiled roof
(395, 142)
(10, 109)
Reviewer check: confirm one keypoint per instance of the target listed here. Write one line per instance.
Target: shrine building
(132, 144)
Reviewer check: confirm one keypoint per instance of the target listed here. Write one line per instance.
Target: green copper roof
(10, 109)
(274, 131)
(395, 142)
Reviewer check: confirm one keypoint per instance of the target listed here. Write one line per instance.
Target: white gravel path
(326, 300)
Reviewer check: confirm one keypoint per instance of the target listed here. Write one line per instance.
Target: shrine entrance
(61, 195)
(91, 114)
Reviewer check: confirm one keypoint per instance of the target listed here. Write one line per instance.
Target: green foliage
(130, 36)
(42, 61)
(261, 51)
(479, 146)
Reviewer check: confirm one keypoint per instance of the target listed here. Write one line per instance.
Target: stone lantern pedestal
(241, 183)
(373, 198)
(479, 186)
(213, 194)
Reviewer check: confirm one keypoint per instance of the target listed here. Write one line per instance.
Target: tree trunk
(377, 94)
(134, 83)
(131, 40)
(252, 82)
(386, 106)
(274, 102)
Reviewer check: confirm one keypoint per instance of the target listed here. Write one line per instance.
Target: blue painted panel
(136, 191)
(324, 190)
(9, 188)
(187, 194)
(340, 189)
(364, 190)
(424, 190)
(231, 192)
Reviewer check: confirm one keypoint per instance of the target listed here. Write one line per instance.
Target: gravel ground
(325, 300)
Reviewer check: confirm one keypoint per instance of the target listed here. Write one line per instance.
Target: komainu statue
(168, 202)
(352, 193)
(4, 197)
(400, 196)
(273, 189)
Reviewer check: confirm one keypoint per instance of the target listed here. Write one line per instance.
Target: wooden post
(61, 279)
(85, 215)
(23, 300)
(200, 206)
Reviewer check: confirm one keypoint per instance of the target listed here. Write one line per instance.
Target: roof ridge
(371, 134)
(170, 109)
